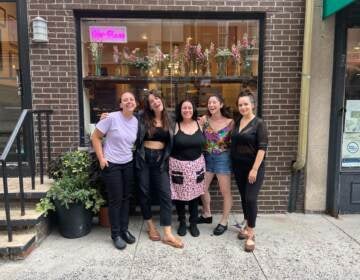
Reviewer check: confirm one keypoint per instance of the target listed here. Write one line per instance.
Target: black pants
(151, 178)
(118, 181)
(193, 210)
(248, 192)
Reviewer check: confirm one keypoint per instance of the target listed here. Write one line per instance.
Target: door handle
(18, 82)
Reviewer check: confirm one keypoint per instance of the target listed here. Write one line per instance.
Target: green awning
(332, 6)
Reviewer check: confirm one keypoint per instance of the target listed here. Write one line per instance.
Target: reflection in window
(181, 58)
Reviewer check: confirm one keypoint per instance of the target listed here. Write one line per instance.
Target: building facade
(78, 75)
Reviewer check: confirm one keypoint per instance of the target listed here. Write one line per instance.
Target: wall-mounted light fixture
(40, 30)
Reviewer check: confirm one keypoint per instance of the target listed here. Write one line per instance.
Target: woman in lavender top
(217, 127)
(116, 161)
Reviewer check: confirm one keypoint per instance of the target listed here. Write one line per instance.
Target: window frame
(79, 14)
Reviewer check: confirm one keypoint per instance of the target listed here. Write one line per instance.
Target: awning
(332, 6)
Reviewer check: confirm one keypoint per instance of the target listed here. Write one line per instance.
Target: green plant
(142, 63)
(72, 184)
(69, 164)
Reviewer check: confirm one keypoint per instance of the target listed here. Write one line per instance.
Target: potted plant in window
(222, 57)
(72, 196)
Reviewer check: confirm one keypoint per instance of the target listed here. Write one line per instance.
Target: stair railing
(25, 125)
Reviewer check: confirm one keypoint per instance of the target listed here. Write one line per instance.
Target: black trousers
(118, 181)
(152, 178)
(193, 210)
(248, 192)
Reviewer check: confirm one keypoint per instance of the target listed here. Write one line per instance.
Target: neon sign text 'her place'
(108, 34)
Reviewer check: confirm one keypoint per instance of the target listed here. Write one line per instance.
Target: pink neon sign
(108, 34)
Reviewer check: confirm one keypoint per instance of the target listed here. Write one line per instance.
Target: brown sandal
(176, 243)
(154, 235)
(250, 247)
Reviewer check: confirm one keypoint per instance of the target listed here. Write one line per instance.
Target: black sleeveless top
(160, 134)
(188, 147)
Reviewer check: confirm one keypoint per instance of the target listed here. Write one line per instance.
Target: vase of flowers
(190, 57)
(236, 56)
(116, 60)
(143, 64)
(96, 55)
(247, 50)
(208, 53)
(199, 59)
(222, 56)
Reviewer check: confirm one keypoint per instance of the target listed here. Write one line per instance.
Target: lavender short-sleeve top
(120, 134)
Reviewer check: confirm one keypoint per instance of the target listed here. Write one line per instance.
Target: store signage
(108, 34)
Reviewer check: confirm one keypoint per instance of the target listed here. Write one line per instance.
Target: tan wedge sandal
(250, 243)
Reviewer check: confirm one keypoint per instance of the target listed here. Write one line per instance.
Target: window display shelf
(176, 79)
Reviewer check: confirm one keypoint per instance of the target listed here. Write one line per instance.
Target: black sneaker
(202, 220)
(119, 243)
(220, 229)
(128, 237)
(182, 228)
(194, 231)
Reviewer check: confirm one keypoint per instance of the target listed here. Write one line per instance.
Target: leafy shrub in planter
(72, 184)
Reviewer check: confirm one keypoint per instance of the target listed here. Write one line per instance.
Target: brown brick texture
(54, 77)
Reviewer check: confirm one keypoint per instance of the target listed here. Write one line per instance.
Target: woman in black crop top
(187, 166)
(153, 149)
(248, 146)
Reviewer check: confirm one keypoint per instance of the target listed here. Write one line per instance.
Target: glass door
(350, 161)
(10, 93)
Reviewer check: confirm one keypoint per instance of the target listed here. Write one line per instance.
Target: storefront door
(343, 185)
(349, 200)
(10, 91)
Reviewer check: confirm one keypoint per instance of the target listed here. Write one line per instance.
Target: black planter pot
(74, 222)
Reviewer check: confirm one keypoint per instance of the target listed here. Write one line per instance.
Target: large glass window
(180, 58)
(10, 95)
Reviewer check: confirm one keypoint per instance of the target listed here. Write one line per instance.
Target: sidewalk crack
(263, 272)
(136, 247)
(338, 227)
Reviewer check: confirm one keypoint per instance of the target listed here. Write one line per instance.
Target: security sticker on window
(351, 150)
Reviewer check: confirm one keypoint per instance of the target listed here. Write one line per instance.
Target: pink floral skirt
(187, 178)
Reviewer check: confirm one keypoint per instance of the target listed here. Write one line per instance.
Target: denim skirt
(218, 163)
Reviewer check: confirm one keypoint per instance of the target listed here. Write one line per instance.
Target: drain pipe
(299, 164)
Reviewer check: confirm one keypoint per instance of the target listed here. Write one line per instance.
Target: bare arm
(97, 145)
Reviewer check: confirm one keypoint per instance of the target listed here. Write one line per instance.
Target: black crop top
(188, 147)
(159, 134)
(246, 143)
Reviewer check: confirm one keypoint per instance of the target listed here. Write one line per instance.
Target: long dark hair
(225, 110)
(149, 115)
(178, 116)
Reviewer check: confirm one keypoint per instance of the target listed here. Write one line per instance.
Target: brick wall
(54, 80)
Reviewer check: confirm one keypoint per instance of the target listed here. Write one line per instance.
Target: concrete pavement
(289, 246)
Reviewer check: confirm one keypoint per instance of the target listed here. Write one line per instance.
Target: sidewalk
(289, 246)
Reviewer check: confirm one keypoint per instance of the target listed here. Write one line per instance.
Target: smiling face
(214, 105)
(128, 102)
(187, 110)
(155, 103)
(245, 106)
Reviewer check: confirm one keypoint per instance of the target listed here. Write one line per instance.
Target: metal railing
(25, 127)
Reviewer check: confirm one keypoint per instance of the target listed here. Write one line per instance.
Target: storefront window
(180, 58)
